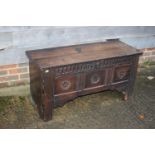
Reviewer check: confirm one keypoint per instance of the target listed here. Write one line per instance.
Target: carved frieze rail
(90, 66)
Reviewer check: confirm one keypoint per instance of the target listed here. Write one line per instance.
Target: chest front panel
(91, 75)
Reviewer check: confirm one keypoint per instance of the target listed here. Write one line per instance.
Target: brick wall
(148, 55)
(14, 74)
(18, 74)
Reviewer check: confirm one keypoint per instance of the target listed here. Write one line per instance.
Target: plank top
(80, 53)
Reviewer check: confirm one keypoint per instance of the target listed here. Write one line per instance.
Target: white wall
(14, 41)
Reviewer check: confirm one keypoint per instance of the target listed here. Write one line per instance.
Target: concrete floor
(101, 110)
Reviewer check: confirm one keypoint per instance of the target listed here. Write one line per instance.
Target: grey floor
(102, 110)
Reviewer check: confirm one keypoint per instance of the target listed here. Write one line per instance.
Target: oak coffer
(58, 75)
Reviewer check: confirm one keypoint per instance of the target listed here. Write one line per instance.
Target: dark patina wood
(58, 75)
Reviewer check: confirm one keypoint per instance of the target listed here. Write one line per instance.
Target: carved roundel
(95, 79)
(121, 73)
(65, 85)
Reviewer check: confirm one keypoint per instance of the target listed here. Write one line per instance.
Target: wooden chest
(58, 75)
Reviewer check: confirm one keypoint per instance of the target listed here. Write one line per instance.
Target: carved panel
(94, 79)
(65, 84)
(121, 73)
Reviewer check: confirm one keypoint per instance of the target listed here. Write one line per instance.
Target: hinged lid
(80, 53)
